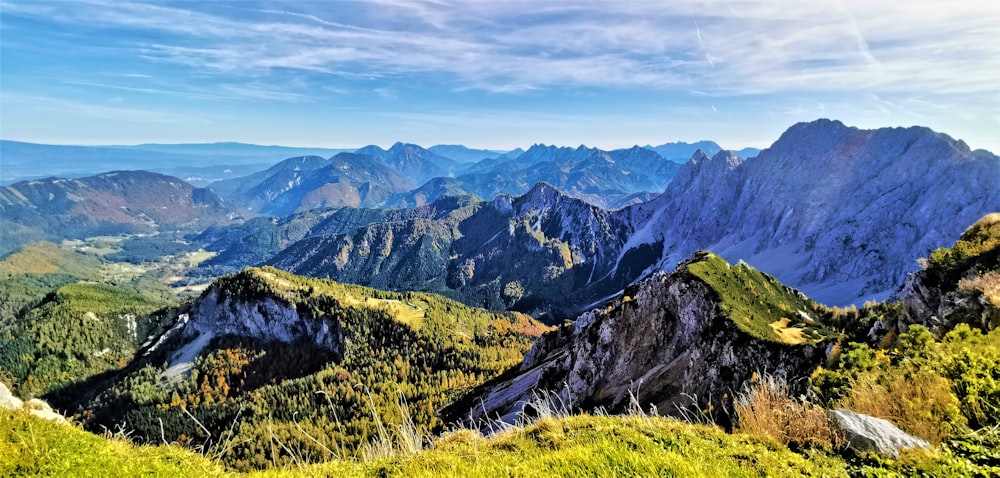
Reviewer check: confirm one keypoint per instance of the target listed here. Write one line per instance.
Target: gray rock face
(267, 319)
(867, 434)
(837, 212)
(666, 341)
(933, 298)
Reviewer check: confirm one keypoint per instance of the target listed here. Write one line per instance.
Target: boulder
(8, 400)
(34, 406)
(867, 434)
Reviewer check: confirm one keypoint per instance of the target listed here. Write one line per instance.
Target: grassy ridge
(760, 304)
(31, 446)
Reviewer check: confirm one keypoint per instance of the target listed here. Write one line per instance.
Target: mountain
(256, 190)
(609, 179)
(411, 161)
(463, 154)
(307, 182)
(680, 151)
(264, 353)
(747, 153)
(526, 253)
(348, 180)
(836, 211)
(196, 163)
(110, 203)
(431, 191)
(695, 336)
(677, 340)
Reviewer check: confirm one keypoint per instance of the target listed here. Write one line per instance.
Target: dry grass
(917, 403)
(765, 409)
(988, 284)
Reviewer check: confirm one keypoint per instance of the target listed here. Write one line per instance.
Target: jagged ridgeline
(266, 366)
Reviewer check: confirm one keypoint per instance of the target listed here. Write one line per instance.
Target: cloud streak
(692, 57)
(736, 47)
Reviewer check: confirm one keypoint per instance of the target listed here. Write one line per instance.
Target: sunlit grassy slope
(574, 446)
(760, 304)
(31, 446)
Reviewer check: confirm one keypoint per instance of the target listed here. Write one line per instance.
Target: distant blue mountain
(463, 154)
(747, 153)
(680, 152)
(198, 164)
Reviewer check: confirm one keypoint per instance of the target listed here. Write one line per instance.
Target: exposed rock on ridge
(666, 341)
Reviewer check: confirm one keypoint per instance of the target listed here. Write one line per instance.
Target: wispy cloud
(912, 54)
(725, 47)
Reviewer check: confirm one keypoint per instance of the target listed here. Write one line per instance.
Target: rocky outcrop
(268, 319)
(34, 406)
(867, 434)
(667, 342)
(560, 252)
(246, 305)
(958, 284)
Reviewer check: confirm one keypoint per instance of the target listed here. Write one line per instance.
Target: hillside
(523, 253)
(264, 352)
(603, 178)
(679, 340)
(110, 203)
(78, 331)
(671, 341)
(770, 211)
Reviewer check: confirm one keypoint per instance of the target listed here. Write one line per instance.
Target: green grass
(31, 446)
(760, 304)
(980, 243)
(575, 446)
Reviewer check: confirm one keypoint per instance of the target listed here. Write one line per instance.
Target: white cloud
(723, 47)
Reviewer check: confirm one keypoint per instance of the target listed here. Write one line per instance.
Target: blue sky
(496, 74)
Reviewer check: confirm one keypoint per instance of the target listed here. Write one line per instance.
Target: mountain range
(837, 212)
(348, 306)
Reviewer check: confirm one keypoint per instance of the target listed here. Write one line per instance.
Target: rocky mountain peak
(541, 195)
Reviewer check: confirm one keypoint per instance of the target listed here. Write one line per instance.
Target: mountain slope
(603, 178)
(256, 190)
(835, 211)
(110, 203)
(264, 352)
(524, 253)
(411, 161)
(680, 151)
(672, 340)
